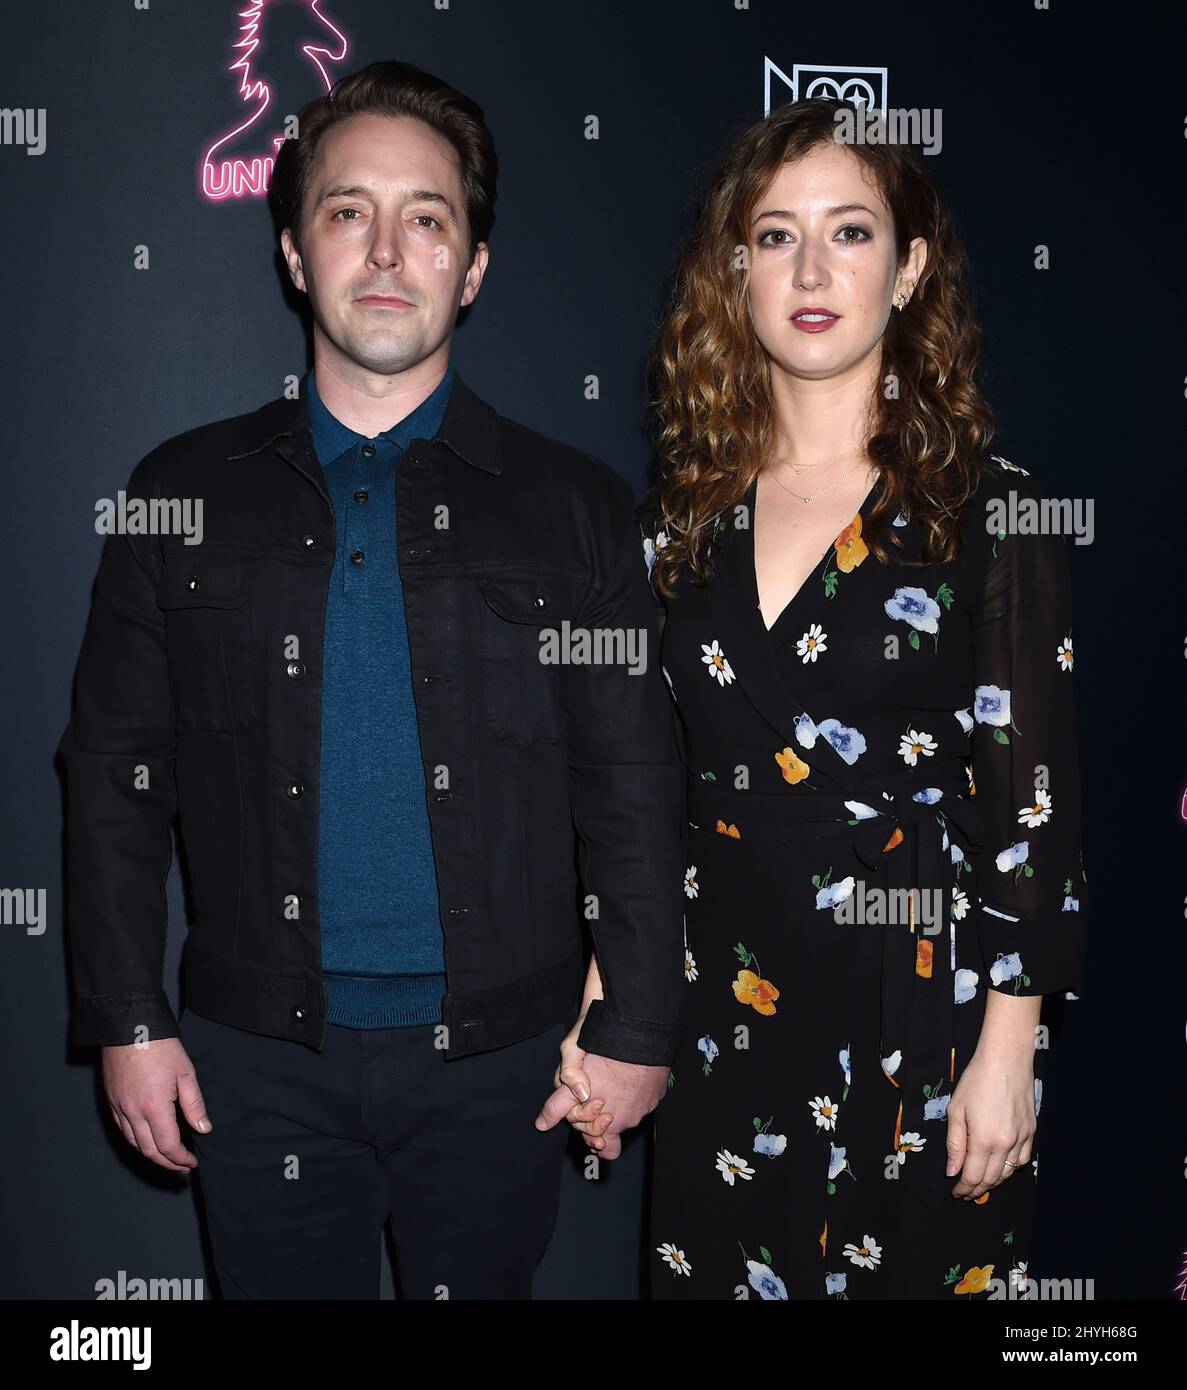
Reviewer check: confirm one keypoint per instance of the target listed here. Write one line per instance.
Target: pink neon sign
(239, 177)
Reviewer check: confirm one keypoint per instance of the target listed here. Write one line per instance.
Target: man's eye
(429, 217)
(340, 212)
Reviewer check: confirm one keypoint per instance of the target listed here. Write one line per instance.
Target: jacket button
(298, 1014)
(368, 451)
(309, 542)
(193, 583)
(539, 600)
(361, 495)
(295, 669)
(295, 789)
(459, 911)
(356, 557)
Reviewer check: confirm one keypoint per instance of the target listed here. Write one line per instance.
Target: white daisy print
(825, 1112)
(868, 1254)
(915, 744)
(909, 1144)
(1018, 1276)
(730, 1166)
(812, 643)
(1039, 813)
(691, 886)
(690, 967)
(674, 1258)
(1063, 654)
(960, 903)
(719, 668)
(651, 547)
(1013, 467)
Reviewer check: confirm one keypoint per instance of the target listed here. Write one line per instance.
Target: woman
(873, 678)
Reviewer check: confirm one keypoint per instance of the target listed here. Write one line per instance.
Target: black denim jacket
(555, 790)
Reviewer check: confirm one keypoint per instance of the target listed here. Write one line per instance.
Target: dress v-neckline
(752, 569)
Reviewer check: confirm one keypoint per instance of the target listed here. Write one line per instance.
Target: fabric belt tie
(917, 985)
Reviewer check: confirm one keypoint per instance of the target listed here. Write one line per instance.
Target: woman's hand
(991, 1120)
(587, 1117)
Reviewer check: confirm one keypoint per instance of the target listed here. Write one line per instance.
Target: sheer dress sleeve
(1025, 762)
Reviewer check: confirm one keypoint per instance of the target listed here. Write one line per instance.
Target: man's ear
(474, 274)
(292, 258)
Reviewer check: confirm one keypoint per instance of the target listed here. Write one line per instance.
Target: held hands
(991, 1121)
(143, 1083)
(611, 1096)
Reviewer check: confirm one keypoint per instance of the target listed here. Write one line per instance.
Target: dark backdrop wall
(138, 306)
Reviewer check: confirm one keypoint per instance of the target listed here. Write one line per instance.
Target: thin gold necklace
(812, 495)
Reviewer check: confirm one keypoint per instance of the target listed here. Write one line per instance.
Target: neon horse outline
(248, 178)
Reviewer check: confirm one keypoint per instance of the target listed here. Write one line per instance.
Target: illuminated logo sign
(235, 175)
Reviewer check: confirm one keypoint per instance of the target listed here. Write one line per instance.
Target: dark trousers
(310, 1153)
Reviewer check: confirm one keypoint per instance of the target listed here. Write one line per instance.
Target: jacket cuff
(626, 1038)
(116, 1020)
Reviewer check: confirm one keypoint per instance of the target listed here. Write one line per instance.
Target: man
(397, 796)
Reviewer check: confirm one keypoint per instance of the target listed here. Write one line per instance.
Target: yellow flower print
(923, 958)
(758, 993)
(794, 769)
(851, 549)
(895, 840)
(976, 1280)
(731, 830)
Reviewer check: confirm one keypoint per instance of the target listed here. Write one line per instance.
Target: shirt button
(361, 495)
(356, 557)
(295, 669)
(368, 451)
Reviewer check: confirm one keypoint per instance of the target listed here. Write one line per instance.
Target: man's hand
(612, 1096)
(143, 1082)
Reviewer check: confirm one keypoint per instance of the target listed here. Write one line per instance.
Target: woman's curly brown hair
(709, 375)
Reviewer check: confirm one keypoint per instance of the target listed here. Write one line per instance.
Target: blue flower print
(765, 1280)
(848, 742)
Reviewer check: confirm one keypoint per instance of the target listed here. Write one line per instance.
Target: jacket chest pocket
(523, 624)
(209, 638)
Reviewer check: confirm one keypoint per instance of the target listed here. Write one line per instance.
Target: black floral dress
(883, 827)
